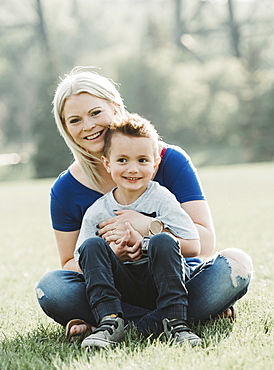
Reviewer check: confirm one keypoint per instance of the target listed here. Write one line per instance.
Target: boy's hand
(134, 235)
(123, 250)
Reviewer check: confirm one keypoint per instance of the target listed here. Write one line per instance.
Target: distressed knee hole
(240, 263)
(39, 293)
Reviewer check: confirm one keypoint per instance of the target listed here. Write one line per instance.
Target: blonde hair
(82, 80)
(135, 126)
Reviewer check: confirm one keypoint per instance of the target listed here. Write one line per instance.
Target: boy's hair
(133, 125)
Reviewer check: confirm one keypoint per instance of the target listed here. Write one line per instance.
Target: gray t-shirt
(156, 201)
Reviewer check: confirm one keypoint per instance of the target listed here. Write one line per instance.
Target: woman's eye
(95, 113)
(74, 121)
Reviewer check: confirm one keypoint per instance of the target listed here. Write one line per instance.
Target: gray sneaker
(110, 331)
(177, 331)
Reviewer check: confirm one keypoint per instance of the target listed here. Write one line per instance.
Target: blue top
(70, 199)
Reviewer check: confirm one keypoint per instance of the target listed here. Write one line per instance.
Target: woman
(84, 105)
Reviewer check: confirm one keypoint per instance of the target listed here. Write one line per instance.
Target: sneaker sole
(98, 343)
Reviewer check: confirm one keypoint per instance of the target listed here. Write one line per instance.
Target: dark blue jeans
(212, 288)
(156, 283)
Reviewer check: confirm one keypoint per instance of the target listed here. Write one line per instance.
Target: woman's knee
(240, 262)
(54, 282)
(47, 282)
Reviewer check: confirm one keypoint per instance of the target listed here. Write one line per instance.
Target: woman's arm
(198, 211)
(117, 224)
(66, 242)
(189, 247)
(200, 214)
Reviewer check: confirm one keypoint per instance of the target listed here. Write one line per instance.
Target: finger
(109, 231)
(126, 237)
(111, 239)
(107, 222)
(135, 247)
(128, 226)
(120, 212)
(104, 231)
(135, 256)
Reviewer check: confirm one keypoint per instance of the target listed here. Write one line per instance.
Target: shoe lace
(106, 325)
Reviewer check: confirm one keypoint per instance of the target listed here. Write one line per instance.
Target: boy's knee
(162, 243)
(92, 245)
(239, 261)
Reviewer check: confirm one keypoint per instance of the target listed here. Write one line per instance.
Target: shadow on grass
(46, 347)
(37, 349)
(213, 332)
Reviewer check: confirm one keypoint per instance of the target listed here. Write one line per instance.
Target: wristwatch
(155, 227)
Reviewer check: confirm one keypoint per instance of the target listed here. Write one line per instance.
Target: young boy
(157, 279)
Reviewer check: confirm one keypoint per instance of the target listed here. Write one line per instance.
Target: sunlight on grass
(242, 204)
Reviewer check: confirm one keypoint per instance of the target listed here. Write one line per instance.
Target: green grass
(242, 203)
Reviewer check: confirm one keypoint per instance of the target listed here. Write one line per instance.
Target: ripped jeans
(214, 286)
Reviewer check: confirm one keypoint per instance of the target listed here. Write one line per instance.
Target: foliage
(49, 143)
(243, 219)
(202, 71)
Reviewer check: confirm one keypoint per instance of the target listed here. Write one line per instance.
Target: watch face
(156, 227)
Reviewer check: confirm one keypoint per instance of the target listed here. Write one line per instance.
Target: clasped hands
(124, 233)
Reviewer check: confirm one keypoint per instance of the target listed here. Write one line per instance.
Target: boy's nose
(133, 168)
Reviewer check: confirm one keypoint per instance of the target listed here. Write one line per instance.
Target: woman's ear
(105, 163)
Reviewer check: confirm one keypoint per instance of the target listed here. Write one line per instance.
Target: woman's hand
(114, 228)
(122, 249)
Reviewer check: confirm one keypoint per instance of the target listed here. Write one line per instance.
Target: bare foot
(229, 313)
(78, 329)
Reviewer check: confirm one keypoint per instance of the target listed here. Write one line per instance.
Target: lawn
(241, 198)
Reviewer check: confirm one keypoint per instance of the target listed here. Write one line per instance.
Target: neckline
(79, 183)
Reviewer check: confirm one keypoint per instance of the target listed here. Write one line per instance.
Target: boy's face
(131, 162)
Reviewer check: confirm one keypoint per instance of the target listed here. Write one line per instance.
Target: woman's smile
(95, 135)
(87, 118)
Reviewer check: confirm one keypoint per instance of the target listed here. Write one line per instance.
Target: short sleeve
(69, 200)
(178, 174)
(61, 219)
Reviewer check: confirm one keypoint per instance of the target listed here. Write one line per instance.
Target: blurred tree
(146, 91)
(264, 130)
(52, 155)
(201, 70)
(234, 29)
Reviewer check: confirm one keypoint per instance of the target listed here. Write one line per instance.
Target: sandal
(69, 325)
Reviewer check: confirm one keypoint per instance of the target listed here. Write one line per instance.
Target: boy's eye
(122, 160)
(143, 160)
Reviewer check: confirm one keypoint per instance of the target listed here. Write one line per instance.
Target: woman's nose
(88, 124)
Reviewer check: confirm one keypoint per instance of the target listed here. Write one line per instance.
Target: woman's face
(87, 118)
